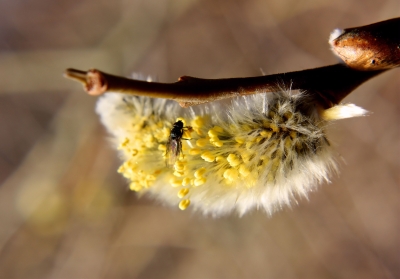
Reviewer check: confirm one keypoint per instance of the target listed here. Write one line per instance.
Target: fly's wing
(173, 149)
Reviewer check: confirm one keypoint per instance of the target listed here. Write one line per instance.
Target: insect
(174, 144)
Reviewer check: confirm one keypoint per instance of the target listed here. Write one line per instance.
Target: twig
(367, 50)
(329, 85)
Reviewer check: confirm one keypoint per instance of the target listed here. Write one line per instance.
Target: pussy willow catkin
(260, 151)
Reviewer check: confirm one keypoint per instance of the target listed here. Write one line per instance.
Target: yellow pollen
(217, 143)
(258, 139)
(270, 177)
(197, 122)
(243, 170)
(194, 151)
(240, 140)
(215, 131)
(231, 174)
(200, 172)
(186, 181)
(246, 155)
(266, 134)
(199, 181)
(124, 143)
(218, 129)
(208, 156)
(150, 177)
(184, 204)
(219, 159)
(271, 114)
(233, 160)
(288, 115)
(187, 134)
(183, 192)
(288, 143)
(293, 134)
(121, 169)
(175, 182)
(135, 186)
(276, 162)
(179, 166)
(179, 173)
(134, 152)
(202, 142)
(274, 127)
(249, 144)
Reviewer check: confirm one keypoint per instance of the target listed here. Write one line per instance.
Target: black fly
(174, 144)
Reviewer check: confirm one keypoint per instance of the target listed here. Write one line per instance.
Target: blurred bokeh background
(66, 213)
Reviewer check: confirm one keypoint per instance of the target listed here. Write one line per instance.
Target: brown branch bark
(367, 51)
(329, 85)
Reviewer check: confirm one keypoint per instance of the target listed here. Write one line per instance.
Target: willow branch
(367, 51)
(329, 85)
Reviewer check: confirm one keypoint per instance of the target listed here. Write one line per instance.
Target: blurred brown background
(66, 213)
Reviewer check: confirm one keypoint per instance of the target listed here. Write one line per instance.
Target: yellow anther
(217, 143)
(184, 204)
(175, 182)
(246, 155)
(194, 151)
(293, 134)
(202, 142)
(199, 181)
(243, 170)
(179, 173)
(185, 146)
(146, 183)
(215, 131)
(198, 122)
(121, 169)
(220, 159)
(288, 115)
(266, 134)
(274, 127)
(240, 140)
(183, 192)
(231, 174)
(186, 181)
(258, 139)
(288, 143)
(160, 124)
(124, 143)
(135, 186)
(150, 177)
(270, 176)
(134, 152)
(187, 134)
(208, 156)
(179, 166)
(249, 144)
(271, 114)
(200, 172)
(276, 162)
(218, 129)
(233, 160)
(278, 118)
(162, 147)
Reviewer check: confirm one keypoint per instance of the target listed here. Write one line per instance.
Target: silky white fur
(306, 170)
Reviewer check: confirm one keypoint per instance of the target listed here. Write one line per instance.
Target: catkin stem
(367, 51)
(329, 85)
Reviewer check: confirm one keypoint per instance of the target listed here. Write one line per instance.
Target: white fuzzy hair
(293, 157)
